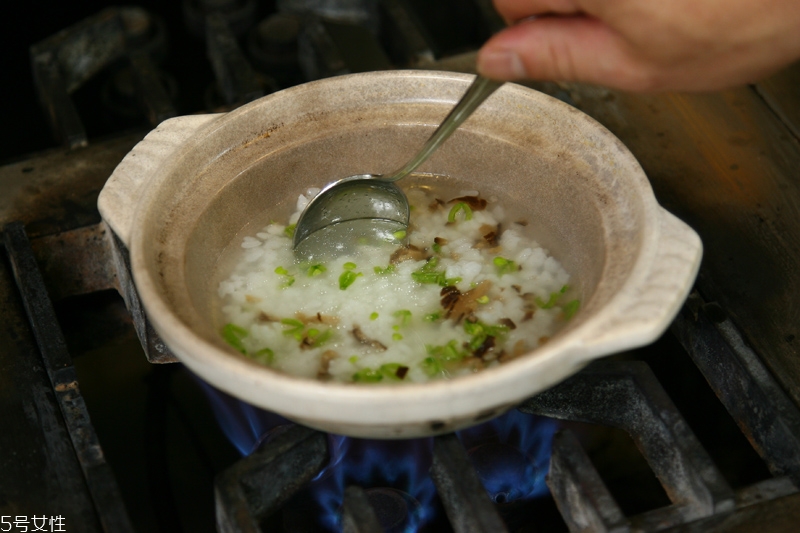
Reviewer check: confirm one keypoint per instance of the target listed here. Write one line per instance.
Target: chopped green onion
(447, 352)
(570, 308)
(428, 274)
(504, 266)
(315, 270)
(450, 352)
(265, 356)
(433, 317)
(483, 299)
(234, 335)
(288, 281)
(292, 322)
(349, 266)
(437, 248)
(397, 337)
(473, 328)
(460, 206)
(426, 277)
(401, 234)
(393, 371)
(312, 337)
(430, 264)
(404, 315)
(381, 271)
(367, 375)
(289, 231)
(554, 296)
(353, 359)
(480, 331)
(431, 366)
(318, 339)
(374, 315)
(293, 327)
(347, 278)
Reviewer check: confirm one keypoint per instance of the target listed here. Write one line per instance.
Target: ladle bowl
(369, 207)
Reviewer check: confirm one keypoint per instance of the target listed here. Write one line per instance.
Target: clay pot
(179, 197)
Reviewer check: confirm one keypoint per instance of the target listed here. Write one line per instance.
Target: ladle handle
(479, 91)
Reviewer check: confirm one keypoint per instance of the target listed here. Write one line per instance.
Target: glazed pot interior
(575, 185)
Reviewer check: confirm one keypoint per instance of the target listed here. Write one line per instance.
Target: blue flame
(402, 465)
(512, 455)
(246, 426)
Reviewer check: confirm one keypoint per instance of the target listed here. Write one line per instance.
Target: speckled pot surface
(183, 193)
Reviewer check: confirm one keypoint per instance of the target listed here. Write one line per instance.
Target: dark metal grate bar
(464, 499)
(152, 94)
(154, 348)
(65, 61)
(257, 485)
(581, 496)
(766, 416)
(358, 516)
(317, 52)
(58, 364)
(406, 32)
(235, 76)
(61, 112)
(628, 396)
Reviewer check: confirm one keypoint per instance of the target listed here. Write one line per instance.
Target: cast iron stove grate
(622, 394)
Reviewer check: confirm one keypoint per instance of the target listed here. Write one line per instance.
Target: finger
(513, 11)
(562, 49)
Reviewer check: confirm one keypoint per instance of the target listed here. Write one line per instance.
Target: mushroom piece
(473, 363)
(325, 359)
(317, 318)
(485, 348)
(507, 322)
(489, 235)
(265, 318)
(406, 253)
(530, 306)
(458, 305)
(435, 205)
(363, 339)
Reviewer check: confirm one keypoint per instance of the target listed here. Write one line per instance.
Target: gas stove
(104, 431)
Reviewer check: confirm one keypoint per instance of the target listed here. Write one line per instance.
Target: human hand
(644, 45)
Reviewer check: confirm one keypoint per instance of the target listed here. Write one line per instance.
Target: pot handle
(118, 199)
(645, 309)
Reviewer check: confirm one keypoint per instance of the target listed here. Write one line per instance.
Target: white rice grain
(383, 322)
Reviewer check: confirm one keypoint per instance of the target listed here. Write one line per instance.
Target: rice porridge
(464, 289)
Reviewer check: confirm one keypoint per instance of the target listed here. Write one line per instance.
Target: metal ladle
(370, 207)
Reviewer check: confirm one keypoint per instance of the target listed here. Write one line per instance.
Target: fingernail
(501, 64)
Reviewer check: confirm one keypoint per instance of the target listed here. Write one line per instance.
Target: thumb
(574, 48)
